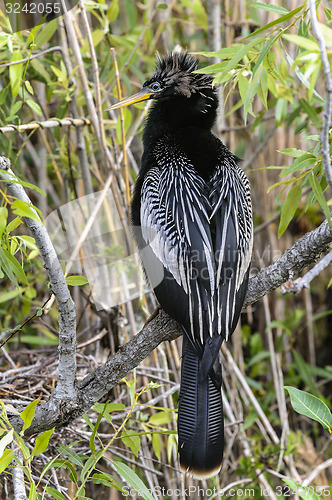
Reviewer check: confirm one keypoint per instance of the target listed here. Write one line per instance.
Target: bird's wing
(232, 221)
(175, 224)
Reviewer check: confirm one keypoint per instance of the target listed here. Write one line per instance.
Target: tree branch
(324, 137)
(65, 389)
(57, 413)
(298, 285)
(304, 252)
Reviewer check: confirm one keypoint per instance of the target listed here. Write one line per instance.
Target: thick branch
(304, 282)
(67, 317)
(305, 251)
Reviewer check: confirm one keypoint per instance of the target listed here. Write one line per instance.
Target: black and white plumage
(191, 216)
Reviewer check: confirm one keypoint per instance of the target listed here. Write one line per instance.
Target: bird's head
(174, 76)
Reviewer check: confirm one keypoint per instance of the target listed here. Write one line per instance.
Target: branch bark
(65, 391)
(56, 412)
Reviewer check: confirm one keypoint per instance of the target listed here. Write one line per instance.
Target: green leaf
(16, 72)
(25, 210)
(5, 459)
(310, 406)
(224, 53)
(309, 109)
(15, 266)
(28, 86)
(107, 480)
(6, 440)
(5, 297)
(76, 280)
(294, 152)
(61, 463)
(304, 492)
(156, 445)
(108, 407)
(34, 106)
(280, 20)
(289, 208)
(3, 220)
(55, 493)
(132, 479)
(243, 85)
(281, 111)
(33, 491)
(301, 162)
(16, 107)
(260, 356)
(27, 415)
(317, 189)
(238, 56)
(270, 8)
(132, 440)
(253, 84)
(304, 371)
(161, 418)
(42, 442)
(46, 33)
(6, 267)
(15, 180)
(304, 43)
(113, 11)
(13, 224)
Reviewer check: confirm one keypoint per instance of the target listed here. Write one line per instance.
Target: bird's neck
(179, 112)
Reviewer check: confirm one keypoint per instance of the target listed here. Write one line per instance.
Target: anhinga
(191, 214)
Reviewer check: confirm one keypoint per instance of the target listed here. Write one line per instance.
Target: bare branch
(304, 252)
(65, 389)
(33, 56)
(317, 470)
(298, 285)
(52, 122)
(18, 475)
(324, 137)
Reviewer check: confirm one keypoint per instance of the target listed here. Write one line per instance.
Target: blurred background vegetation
(272, 93)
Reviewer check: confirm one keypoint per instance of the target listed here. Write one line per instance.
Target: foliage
(82, 468)
(257, 66)
(312, 407)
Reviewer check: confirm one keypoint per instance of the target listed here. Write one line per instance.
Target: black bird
(192, 218)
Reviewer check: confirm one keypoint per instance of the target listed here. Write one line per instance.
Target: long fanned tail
(200, 418)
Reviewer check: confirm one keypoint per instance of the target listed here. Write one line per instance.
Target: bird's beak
(142, 95)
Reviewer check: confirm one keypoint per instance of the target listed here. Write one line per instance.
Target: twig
(259, 148)
(65, 390)
(18, 475)
(317, 470)
(34, 56)
(53, 122)
(324, 136)
(19, 328)
(123, 133)
(298, 285)
(95, 69)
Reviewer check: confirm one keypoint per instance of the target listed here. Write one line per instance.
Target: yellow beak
(142, 95)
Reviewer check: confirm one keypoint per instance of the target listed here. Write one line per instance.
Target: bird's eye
(155, 86)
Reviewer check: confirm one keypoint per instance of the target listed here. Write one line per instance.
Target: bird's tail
(200, 417)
